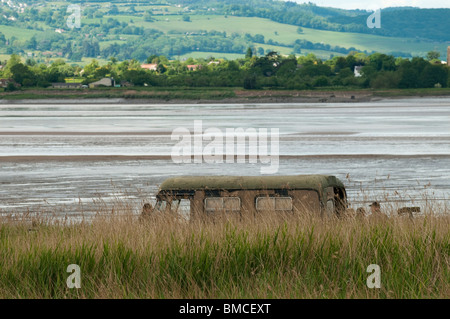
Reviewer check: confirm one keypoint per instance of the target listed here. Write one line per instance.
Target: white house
(357, 71)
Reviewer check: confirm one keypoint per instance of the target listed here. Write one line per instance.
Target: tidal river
(78, 158)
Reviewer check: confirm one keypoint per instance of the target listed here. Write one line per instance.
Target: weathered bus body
(201, 196)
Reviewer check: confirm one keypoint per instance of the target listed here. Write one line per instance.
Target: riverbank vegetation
(270, 72)
(212, 95)
(298, 257)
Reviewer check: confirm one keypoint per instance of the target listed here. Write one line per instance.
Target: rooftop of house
(149, 66)
(250, 182)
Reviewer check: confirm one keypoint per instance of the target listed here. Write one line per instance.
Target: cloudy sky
(376, 4)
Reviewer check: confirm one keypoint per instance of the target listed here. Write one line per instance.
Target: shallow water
(380, 147)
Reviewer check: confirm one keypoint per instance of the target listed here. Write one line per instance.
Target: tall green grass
(291, 257)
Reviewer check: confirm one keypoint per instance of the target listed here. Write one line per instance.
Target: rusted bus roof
(317, 182)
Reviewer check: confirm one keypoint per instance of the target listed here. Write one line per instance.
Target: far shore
(209, 96)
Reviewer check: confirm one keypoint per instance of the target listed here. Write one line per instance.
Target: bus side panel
(306, 201)
(303, 201)
(198, 209)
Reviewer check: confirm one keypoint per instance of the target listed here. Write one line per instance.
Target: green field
(20, 33)
(5, 57)
(207, 55)
(287, 34)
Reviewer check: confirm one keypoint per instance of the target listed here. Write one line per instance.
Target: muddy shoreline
(242, 97)
(268, 100)
(108, 158)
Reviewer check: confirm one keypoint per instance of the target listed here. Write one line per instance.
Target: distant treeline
(252, 72)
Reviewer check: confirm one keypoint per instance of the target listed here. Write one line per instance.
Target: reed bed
(122, 256)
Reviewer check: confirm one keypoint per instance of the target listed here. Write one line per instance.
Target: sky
(377, 4)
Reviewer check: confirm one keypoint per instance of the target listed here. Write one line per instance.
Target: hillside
(399, 21)
(201, 28)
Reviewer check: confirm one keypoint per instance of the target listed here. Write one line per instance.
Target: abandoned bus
(199, 196)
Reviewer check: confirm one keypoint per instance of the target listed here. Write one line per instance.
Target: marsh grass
(152, 93)
(121, 256)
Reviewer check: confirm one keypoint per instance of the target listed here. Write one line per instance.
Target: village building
(193, 67)
(4, 83)
(358, 71)
(102, 82)
(151, 66)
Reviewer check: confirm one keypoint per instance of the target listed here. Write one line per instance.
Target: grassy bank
(232, 95)
(412, 92)
(125, 93)
(302, 257)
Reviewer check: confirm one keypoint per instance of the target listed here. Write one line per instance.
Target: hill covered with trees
(406, 22)
(178, 29)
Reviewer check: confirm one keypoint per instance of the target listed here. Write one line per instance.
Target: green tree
(409, 78)
(14, 59)
(67, 50)
(137, 77)
(259, 38)
(113, 60)
(148, 16)
(2, 39)
(22, 75)
(382, 62)
(386, 80)
(249, 53)
(250, 82)
(297, 49)
(287, 67)
(151, 58)
(433, 55)
(114, 10)
(432, 75)
(89, 69)
(30, 62)
(10, 87)
(32, 43)
(161, 68)
(321, 81)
